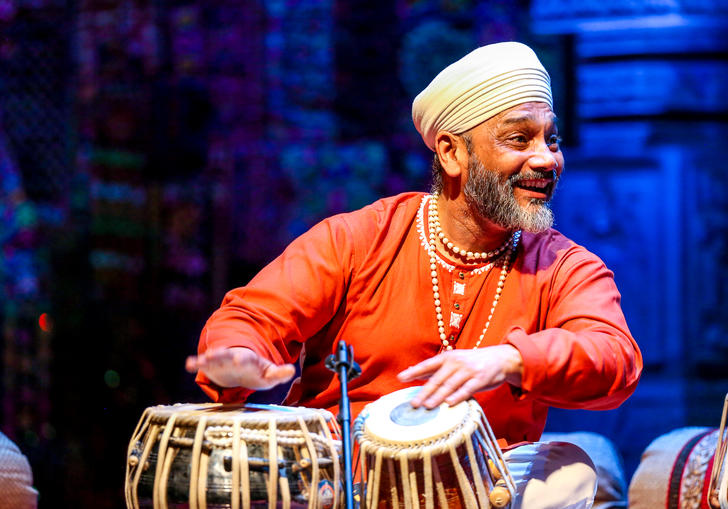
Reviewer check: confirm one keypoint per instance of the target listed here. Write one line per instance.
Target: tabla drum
(213, 456)
(446, 457)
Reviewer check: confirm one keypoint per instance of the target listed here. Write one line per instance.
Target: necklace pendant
(429, 244)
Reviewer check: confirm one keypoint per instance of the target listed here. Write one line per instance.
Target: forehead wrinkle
(525, 118)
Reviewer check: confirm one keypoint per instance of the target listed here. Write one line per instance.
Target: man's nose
(543, 158)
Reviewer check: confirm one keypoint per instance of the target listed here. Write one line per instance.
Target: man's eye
(554, 139)
(519, 138)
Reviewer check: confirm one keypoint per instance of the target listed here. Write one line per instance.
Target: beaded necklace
(435, 232)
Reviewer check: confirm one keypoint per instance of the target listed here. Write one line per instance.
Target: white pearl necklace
(510, 246)
(468, 255)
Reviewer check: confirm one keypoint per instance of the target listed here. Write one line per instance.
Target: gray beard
(491, 197)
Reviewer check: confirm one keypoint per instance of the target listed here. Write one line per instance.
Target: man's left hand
(456, 375)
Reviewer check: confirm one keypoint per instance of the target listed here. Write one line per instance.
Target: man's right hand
(239, 367)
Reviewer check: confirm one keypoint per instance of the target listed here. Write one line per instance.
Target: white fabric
(16, 478)
(611, 483)
(480, 85)
(552, 475)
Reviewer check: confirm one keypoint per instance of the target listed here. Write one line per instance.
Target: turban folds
(480, 85)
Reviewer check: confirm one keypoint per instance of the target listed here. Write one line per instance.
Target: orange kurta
(364, 277)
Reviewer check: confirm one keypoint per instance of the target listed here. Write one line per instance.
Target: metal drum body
(217, 456)
(447, 457)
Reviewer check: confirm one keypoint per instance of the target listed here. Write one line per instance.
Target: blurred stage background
(155, 153)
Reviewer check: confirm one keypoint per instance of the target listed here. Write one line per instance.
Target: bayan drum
(446, 457)
(217, 456)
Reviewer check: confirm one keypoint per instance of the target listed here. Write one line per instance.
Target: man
(468, 289)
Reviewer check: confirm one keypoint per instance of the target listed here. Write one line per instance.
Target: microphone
(343, 364)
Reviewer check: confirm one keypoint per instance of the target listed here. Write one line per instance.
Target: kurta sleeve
(286, 303)
(585, 357)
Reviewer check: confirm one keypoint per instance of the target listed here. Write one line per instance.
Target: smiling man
(467, 290)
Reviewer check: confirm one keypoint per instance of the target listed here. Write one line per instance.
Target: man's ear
(452, 152)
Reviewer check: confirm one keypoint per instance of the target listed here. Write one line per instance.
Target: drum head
(252, 415)
(392, 419)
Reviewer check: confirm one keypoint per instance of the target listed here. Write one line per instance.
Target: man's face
(514, 166)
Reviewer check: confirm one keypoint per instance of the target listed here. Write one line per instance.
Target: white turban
(477, 87)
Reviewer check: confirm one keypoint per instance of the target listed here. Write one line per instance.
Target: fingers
(239, 367)
(440, 386)
(463, 393)
(422, 370)
(209, 359)
(191, 364)
(432, 385)
(275, 374)
(455, 376)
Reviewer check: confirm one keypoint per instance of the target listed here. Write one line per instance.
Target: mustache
(534, 174)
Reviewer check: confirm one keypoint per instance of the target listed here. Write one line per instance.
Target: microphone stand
(343, 364)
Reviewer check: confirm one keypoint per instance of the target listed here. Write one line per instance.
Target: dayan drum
(217, 456)
(446, 457)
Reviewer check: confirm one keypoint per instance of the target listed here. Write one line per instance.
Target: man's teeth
(538, 183)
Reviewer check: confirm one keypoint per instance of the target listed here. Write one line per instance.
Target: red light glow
(45, 323)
